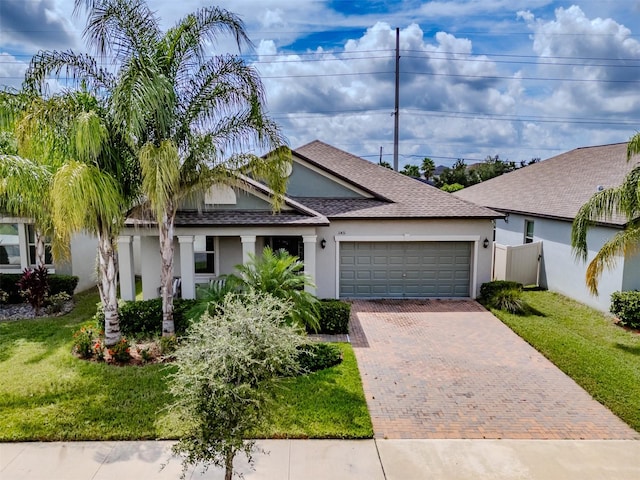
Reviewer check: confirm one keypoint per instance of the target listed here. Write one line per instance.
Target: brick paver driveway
(450, 369)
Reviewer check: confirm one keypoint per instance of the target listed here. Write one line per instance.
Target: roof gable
(556, 187)
(307, 180)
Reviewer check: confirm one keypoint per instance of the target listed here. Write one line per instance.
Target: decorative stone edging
(20, 311)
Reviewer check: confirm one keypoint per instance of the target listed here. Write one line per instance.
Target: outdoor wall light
(323, 243)
(485, 243)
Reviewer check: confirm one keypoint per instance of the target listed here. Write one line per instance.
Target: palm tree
(281, 275)
(85, 185)
(622, 200)
(27, 163)
(428, 168)
(188, 115)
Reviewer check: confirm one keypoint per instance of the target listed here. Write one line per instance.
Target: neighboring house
(362, 230)
(540, 202)
(17, 252)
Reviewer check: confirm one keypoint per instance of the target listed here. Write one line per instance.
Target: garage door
(404, 269)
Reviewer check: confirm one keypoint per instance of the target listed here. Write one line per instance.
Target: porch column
(310, 260)
(248, 246)
(150, 266)
(187, 267)
(125, 268)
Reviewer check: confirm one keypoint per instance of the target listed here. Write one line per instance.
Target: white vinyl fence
(518, 263)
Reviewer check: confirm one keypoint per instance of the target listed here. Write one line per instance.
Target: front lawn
(584, 343)
(48, 394)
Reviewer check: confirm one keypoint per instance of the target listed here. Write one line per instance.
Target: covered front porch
(202, 254)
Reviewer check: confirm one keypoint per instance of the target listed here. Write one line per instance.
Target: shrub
(143, 318)
(34, 286)
(4, 297)
(333, 316)
(57, 302)
(83, 343)
(318, 356)
(168, 344)
(626, 306)
(8, 283)
(281, 275)
(489, 289)
(121, 351)
(57, 284)
(62, 284)
(503, 295)
(509, 300)
(227, 369)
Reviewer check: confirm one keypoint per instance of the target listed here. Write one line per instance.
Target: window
(9, 245)
(528, 231)
(293, 245)
(31, 237)
(204, 254)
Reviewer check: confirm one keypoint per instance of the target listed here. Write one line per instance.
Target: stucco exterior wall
(409, 230)
(83, 260)
(230, 253)
(560, 271)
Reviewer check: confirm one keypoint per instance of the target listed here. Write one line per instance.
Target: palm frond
(143, 103)
(633, 148)
(76, 67)
(24, 187)
(122, 28)
(221, 87)
(601, 206)
(160, 168)
(83, 198)
(186, 42)
(90, 136)
(625, 242)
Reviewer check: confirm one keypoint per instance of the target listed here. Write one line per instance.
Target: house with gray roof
(362, 230)
(540, 202)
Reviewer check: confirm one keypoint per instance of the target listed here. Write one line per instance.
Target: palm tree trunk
(40, 250)
(107, 285)
(166, 275)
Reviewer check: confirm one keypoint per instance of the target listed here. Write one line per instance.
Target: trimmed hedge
(489, 290)
(318, 356)
(62, 283)
(57, 284)
(143, 318)
(626, 306)
(333, 316)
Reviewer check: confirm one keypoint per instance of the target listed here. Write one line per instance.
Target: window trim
(47, 246)
(216, 258)
(529, 238)
(19, 230)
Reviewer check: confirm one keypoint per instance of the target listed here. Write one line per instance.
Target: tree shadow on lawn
(633, 350)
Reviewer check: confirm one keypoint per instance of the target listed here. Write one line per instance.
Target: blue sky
(515, 78)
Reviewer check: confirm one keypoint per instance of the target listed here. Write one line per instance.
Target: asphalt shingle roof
(191, 218)
(556, 187)
(397, 196)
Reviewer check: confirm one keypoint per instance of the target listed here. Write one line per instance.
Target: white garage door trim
(475, 239)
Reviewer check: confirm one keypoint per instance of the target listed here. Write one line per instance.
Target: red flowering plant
(98, 350)
(83, 342)
(121, 351)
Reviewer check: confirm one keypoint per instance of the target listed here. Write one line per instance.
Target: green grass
(325, 404)
(584, 343)
(48, 394)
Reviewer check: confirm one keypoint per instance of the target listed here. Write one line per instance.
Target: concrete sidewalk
(337, 460)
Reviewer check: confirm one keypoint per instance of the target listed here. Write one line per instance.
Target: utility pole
(380, 161)
(396, 112)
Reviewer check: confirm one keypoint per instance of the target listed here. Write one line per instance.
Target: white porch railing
(518, 263)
